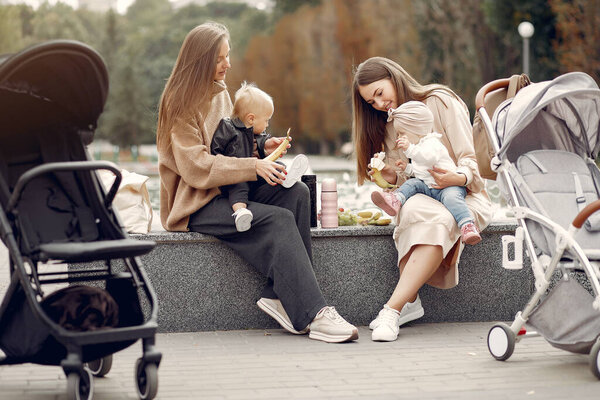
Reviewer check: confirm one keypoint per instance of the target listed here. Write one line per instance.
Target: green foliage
(283, 7)
(59, 21)
(10, 30)
(505, 16)
(26, 15)
(112, 39)
(301, 52)
(149, 14)
(128, 118)
(220, 10)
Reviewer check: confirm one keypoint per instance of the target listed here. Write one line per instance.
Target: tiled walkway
(428, 361)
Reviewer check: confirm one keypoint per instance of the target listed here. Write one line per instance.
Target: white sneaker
(330, 327)
(275, 310)
(297, 168)
(388, 327)
(243, 219)
(410, 312)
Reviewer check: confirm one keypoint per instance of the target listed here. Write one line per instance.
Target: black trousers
(278, 244)
(240, 192)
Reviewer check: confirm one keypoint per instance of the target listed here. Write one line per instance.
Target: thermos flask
(329, 203)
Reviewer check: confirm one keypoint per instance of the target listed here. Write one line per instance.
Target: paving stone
(298, 368)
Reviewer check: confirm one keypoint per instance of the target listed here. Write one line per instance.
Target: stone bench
(202, 285)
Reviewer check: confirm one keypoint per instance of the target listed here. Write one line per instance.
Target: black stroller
(54, 209)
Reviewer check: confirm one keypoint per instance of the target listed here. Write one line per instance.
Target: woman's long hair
(190, 86)
(368, 124)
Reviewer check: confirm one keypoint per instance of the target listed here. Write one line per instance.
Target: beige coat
(423, 220)
(189, 175)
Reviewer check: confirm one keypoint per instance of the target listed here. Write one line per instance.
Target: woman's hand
(444, 178)
(272, 143)
(272, 172)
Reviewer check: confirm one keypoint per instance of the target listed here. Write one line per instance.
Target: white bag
(132, 202)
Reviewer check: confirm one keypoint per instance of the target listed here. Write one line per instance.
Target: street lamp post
(526, 30)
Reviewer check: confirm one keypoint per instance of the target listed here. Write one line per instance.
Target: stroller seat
(558, 184)
(92, 251)
(58, 211)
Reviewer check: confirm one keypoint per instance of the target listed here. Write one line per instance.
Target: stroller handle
(65, 166)
(489, 87)
(585, 214)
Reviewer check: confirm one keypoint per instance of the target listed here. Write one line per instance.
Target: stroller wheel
(101, 366)
(501, 342)
(595, 359)
(80, 386)
(146, 379)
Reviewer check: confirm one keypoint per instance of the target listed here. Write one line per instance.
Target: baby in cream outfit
(413, 121)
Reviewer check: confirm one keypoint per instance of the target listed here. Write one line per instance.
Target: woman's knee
(300, 190)
(300, 193)
(280, 218)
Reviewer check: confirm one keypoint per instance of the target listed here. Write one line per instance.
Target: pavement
(428, 361)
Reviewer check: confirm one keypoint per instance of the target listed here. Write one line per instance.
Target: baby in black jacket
(243, 135)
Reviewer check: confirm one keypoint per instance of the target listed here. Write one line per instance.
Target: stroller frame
(502, 337)
(88, 353)
(79, 374)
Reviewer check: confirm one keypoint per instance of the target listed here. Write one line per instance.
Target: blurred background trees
(303, 52)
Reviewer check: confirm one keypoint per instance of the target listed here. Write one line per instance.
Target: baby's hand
(401, 164)
(402, 143)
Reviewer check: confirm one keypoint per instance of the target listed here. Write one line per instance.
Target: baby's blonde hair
(250, 99)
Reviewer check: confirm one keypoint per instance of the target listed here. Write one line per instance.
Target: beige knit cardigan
(189, 175)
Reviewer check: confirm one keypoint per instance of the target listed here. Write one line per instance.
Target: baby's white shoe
(243, 219)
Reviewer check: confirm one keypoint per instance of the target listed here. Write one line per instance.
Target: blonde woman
(278, 244)
(426, 234)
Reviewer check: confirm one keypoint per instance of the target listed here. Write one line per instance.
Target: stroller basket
(26, 338)
(567, 319)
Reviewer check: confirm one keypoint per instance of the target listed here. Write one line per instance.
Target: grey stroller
(546, 139)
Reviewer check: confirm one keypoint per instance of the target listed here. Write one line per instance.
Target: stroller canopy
(59, 82)
(561, 114)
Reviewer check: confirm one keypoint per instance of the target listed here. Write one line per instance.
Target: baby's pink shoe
(387, 201)
(469, 234)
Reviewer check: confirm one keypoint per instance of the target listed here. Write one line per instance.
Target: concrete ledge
(202, 285)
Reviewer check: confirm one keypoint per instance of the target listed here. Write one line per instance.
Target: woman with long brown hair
(278, 244)
(426, 234)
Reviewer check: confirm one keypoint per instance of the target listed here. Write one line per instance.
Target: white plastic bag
(132, 202)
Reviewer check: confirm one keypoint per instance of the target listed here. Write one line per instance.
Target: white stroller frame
(502, 337)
